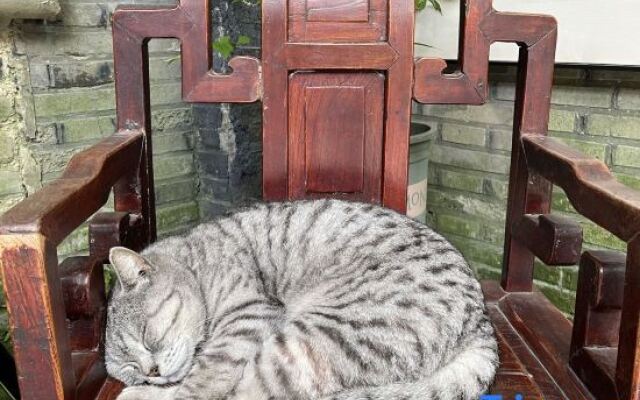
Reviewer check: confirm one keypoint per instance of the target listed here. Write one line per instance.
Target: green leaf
(243, 40)
(421, 5)
(436, 5)
(224, 46)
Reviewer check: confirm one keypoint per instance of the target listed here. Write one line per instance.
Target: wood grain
(337, 21)
(335, 135)
(398, 106)
(28, 264)
(337, 11)
(57, 209)
(554, 239)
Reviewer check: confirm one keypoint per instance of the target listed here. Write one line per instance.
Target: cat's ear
(129, 265)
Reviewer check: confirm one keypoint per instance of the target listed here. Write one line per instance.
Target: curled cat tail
(466, 377)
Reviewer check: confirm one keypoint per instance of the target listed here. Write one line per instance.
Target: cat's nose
(154, 372)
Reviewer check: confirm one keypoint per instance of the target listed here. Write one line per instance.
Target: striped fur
(307, 300)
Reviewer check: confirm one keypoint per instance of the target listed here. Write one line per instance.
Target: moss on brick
(490, 113)
(633, 181)
(470, 159)
(461, 181)
(467, 204)
(596, 235)
(546, 274)
(496, 188)
(476, 251)
(10, 182)
(175, 118)
(627, 156)
(570, 278)
(470, 227)
(175, 190)
(463, 134)
(485, 272)
(77, 242)
(500, 139)
(613, 125)
(84, 129)
(169, 142)
(564, 300)
(177, 216)
(560, 201)
(63, 103)
(629, 99)
(6, 108)
(174, 165)
(562, 120)
(599, 97)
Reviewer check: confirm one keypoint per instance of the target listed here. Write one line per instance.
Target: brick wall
(596, 110)
(57, 98)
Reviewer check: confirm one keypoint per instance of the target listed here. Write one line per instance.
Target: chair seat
(533, 354)
(533, 338)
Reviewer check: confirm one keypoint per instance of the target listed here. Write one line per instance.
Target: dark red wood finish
(336, 135)
(336, 80)
(555, 240)
(326, 38)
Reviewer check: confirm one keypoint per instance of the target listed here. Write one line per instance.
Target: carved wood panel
(339, 41)
(339, 21)
(336, 135)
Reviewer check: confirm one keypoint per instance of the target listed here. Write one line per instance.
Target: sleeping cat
(306, 300)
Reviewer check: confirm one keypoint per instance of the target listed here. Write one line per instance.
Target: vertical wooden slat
(275, 108)
(399, 86)
(628, 365)
(135, 192)
(529, 193)
(41, 344)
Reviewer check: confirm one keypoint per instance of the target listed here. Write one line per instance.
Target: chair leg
(29, 268)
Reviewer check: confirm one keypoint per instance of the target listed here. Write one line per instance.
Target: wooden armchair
(337, 79)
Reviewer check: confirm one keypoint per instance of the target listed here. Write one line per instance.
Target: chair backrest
(335, 80)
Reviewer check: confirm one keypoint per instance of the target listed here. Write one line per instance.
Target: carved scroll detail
(481, 26)
(188, 21)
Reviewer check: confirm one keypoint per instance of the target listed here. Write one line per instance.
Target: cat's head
(155, 319)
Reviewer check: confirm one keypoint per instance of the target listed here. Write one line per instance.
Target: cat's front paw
(147, 392)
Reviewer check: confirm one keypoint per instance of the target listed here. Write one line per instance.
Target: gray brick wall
(595, 110)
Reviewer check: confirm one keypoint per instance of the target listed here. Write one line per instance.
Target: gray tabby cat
(305, 300)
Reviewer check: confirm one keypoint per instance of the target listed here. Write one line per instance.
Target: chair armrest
(60, 207)
(590, 186)
(29, 234)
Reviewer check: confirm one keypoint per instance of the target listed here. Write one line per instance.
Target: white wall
(590, 31)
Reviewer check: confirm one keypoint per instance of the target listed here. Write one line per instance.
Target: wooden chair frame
(57, 310)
